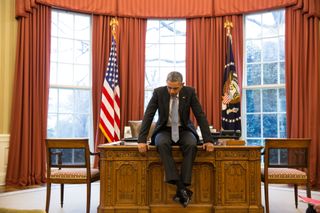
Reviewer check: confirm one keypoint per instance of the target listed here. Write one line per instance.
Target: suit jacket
(187, 100)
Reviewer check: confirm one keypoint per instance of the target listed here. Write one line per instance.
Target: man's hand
(208, 146)
(142, 147)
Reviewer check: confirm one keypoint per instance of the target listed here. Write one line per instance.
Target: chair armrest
(95, 153)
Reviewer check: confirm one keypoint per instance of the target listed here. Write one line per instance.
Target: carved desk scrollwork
(226, 180)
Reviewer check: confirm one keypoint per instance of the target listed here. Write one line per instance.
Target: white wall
(4, 153)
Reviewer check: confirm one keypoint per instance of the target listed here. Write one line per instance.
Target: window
(70, 111)
(165, 52)
(264, 96)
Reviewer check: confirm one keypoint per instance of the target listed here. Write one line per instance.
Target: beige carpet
(281, 199)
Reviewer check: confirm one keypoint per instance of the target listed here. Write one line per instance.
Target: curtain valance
(168, 8)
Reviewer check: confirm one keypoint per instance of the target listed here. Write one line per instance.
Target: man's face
(174, 87)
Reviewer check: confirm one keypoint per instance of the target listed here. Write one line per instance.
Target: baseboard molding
(4, 152)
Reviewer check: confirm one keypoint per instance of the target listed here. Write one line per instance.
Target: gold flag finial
(228, 24)
(114, 23)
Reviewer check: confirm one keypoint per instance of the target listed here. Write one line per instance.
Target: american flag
(231, 113)
(110, 103)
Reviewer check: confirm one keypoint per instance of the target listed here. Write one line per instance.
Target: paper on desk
(309, 200)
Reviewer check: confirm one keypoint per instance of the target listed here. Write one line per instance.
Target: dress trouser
(310, 209)
(188, 146)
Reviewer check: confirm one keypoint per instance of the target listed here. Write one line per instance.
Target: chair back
(287, 153)
(58, 149)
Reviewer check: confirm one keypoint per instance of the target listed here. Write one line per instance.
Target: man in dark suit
(174, 127)
(313, 208)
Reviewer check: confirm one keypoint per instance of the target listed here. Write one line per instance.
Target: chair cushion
(284, 173)
(73, 173)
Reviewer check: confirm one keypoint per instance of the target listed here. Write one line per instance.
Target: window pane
(281, 48)
(65, 74)
(81, 52)
(82, 75)
(180, 57)
(82, 101)
(82, 125)
(167, 31)
(283, 125)
(253, 74)
(253, 26)
(53, 100)
(66, 101)
(253, 51)
(65, 50)
(253, 125)
(152, 77)
(282, 100)
(270, 126)
(270, 73)
(270, 23)
(152, 55)
(82, 28)
(53, 73)
(167, 55)
(65, 25)
(282, 73)
(270, 49)
(65, 126)
(152, 35)
(52, 126)
(253, 101)
(180, 26)
(269, 100)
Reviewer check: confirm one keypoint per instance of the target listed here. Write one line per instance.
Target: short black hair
(175, 76)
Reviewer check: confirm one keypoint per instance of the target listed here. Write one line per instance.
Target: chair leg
(61, 194)
(48, 196)
(88, 196)
(296, 195)
(308, 190)
(266, 196)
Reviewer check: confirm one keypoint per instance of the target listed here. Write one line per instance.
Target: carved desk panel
(224, 181)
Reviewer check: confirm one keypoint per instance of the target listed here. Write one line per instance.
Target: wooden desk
(224, 181)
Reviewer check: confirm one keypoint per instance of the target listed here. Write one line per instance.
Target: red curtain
(131, 59)
(26, 163)
(205, 60)
(160, 8)
(303, 81)
(101, 43)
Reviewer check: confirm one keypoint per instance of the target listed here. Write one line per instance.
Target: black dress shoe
(183, 197)
(177, 198)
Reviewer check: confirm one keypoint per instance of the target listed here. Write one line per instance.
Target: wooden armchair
(61, 171)
(286, 161)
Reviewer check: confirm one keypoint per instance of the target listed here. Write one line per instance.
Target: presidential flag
(110, 103)
(231, 113)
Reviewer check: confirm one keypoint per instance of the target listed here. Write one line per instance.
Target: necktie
(174, 120)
